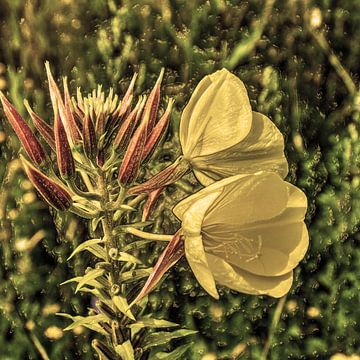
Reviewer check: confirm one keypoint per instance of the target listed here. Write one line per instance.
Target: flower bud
(54, 194)
(27, 138)
(44, 129)
(157, 132)
(173, 252)
(127, 127)
(152, 103)
(65, 113)
(150, 203)
(133, 155)
(64, 155)
(167, 176)
(89, 138)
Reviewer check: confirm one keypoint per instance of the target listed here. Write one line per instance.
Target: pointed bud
(127, 127)
(152, 103)
(89, 138)
(126, 101)
(157, 132)
(150, 203)
(66, 116)
(70, 120)
(44, 128)
(64, 155)
(133, 155)
(165, 177)
(170, 256)
(28, 139)
(53, 193)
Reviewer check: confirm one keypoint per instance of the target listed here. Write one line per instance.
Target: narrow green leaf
(136, 245)
(83, 246)
(135, 275)
(173, 355)
(91, 322)
(163, 337)
(91, 275)
(123, 256)
(77, 279)
(98, 251)
(152, 323)
(125, 350)
(123, 306)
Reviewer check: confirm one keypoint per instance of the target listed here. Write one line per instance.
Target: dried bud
(166, 177)
(157, 132)
(152, 103)
(66, 116)
(64, 155)
(44, 128)
(170, 256)
(133, 155)
(53, 193)
(150, 203)
(28, 139)
(89, 138)
(127, 127)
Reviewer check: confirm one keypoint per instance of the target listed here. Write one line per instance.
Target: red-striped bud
(89, 138)
(170, 256)
(28, 139)
(157, 132)
(67, 119)
(127, 127)
(64, 155)
(44, 128)
(70, 119)
(150, 203)
(165, 177)
(126, 101)
(133, 155)
(152, 103)
(54, 194)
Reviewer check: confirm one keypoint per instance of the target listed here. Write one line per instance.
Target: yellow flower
(220, 136)
(245, 232)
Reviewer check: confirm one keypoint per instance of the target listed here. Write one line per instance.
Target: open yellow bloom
(220, 136)
(246, 232)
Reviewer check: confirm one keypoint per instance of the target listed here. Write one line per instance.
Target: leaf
(173, 355)
(123, 306)
(83, 246)
(77, 279)
(163, 337)
(91, 322)
(152, 323)
(91, 275)
(136, 245)
(98, 251)
(125, 350)
(135, 275)
(123, 256)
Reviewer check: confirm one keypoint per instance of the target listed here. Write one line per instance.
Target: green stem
(272, 330)
(148, 236)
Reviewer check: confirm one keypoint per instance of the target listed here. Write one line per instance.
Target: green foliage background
(302, 73)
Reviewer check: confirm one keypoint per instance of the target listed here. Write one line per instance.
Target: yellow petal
(247, 200)
(186, 203)
(268, 251)
(262, 149)
(196, 257)
(242, 281)
(217, 116)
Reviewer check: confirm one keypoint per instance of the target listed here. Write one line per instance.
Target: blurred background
(300, 63)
